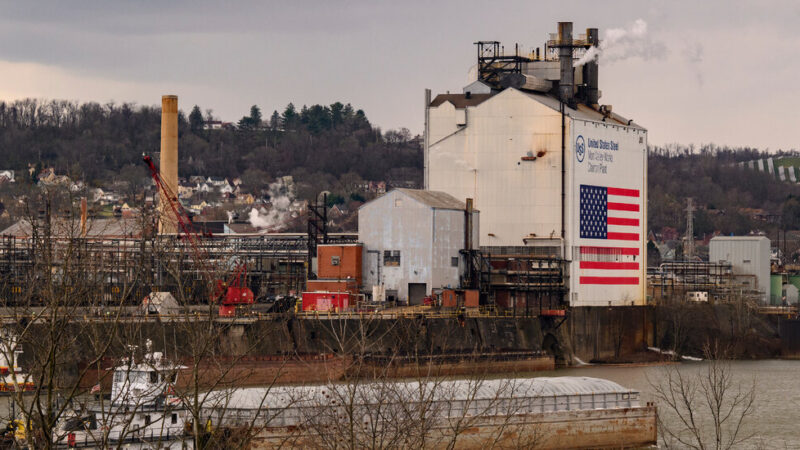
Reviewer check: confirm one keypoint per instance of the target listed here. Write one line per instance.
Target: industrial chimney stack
(167, 222)
(566, 83)
(590, 70)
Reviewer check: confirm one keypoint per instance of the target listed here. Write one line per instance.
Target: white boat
(142, 412)
(12, 377)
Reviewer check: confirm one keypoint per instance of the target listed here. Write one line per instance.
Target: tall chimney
(566, 82)
(84, 214)
(169, 162)
(590, 70)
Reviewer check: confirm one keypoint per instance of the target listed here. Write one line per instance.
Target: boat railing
(299, 414)
(94, 438)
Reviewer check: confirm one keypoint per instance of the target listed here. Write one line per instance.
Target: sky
(713, 71)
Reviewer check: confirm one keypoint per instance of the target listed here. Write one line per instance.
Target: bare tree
(49, 312)
(76, 311)
(705, 408)
(370, 408)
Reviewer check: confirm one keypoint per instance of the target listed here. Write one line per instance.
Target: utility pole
(688, 239)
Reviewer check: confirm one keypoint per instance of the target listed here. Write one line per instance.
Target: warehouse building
(749, 257)
(412, 242)
(554, 173)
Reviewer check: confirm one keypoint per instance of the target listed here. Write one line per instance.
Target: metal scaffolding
(673, 280)
(134, 267)
(526, 284)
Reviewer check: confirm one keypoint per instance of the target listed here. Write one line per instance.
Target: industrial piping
(168, 162)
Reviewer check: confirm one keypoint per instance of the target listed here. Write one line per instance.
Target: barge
(558, 413)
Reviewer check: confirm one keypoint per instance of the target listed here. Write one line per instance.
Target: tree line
(724, 194)
(98, 143)
(335, 147)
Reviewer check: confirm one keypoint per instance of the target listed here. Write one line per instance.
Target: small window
(391, 257)
(746, 261)
(147, 420)
(398, 202)
(153, 377)
(454, 261)
(174, 418)
(334, 260)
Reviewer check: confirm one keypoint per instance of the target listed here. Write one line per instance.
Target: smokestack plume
(591, 68)
(566, 83)
(169, 162)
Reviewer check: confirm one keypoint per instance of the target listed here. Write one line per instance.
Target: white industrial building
(572, 185)
(749, 257)
(412, 241)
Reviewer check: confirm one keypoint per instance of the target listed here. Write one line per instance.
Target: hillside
(783, 168)
(730, 198)
(324, 147)
(335, 148)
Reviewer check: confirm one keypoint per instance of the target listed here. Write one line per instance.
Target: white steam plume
(624, 43)
(280, 212)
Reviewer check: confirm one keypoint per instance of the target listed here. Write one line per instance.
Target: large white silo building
(553, 172)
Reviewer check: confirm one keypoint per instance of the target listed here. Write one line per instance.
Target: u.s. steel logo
(580, 148)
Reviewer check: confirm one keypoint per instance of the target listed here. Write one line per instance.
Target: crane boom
(235, 291)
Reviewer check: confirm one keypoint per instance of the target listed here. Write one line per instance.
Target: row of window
(392, 258)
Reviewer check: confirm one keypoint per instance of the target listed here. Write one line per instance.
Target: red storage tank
(326, 301)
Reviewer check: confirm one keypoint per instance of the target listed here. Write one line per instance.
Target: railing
(133, 314)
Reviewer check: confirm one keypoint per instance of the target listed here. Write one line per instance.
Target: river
(776, 420)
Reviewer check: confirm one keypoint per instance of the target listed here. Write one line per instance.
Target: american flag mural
(612, 217)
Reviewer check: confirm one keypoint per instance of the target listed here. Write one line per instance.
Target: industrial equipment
(233, 294)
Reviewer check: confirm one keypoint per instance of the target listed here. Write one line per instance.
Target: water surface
(776, 421)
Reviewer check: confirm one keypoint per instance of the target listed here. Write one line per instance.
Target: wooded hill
(335, 147)
(98, 143)
(728, 198)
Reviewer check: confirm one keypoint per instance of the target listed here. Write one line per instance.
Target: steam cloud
(625, 43)
(274, 220)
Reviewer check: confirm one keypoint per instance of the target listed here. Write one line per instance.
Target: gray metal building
(749, 257)
(412, 242)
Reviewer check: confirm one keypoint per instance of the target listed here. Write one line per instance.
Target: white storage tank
(748, 256)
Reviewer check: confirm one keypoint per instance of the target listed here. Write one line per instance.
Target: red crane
(234, 292)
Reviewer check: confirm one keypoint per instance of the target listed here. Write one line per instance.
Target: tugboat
(141, 413)
(12, 377)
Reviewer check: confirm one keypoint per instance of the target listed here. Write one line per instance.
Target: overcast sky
(719, 71)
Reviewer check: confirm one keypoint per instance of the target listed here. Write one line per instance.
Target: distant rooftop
(461, 100)
(583, 112)
(118, 227)
(434, 199)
